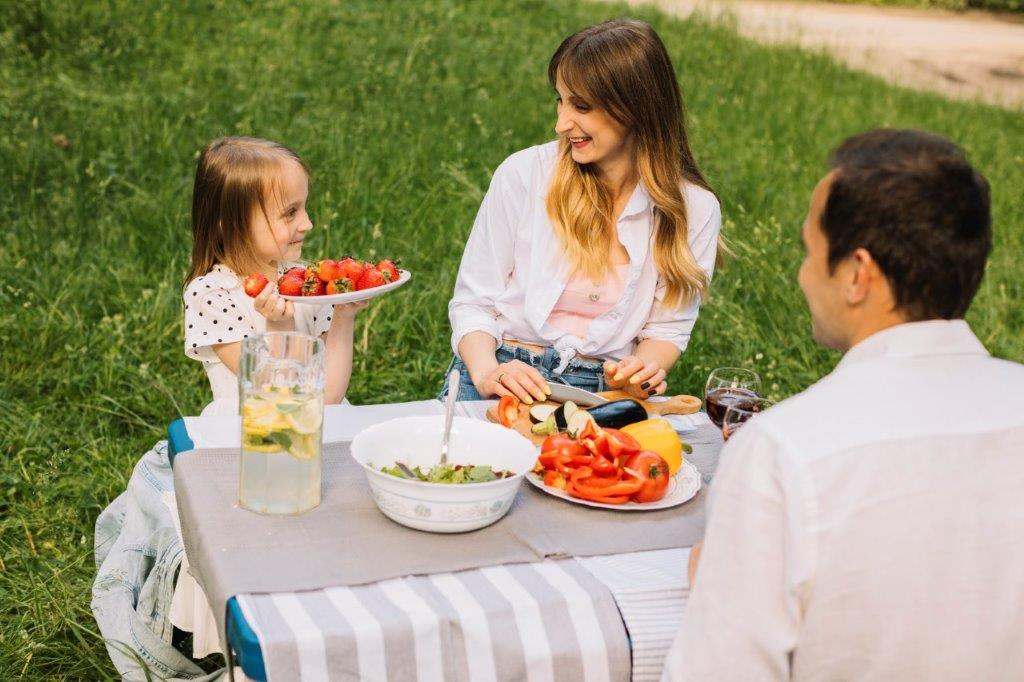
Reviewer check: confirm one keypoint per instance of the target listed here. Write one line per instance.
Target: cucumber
(618, 413)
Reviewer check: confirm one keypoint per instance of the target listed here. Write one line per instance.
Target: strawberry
(312, 285)
(371, 277)
(291, 283)
(254, 283)
(351, 268)
(327, 270)
(388, 269)
(342, 285)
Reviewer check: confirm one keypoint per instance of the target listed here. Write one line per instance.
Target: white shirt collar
(639, 201)
(916, 339)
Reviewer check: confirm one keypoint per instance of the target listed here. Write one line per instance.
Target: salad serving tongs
(449, 412)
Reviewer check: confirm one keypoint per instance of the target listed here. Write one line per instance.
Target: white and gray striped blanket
(599, 618)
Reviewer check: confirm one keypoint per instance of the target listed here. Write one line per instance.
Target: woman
(590, 255)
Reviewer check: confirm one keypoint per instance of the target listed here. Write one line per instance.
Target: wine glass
(740, 411)
(725, 386)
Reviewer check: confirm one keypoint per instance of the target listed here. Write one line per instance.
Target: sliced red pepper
(554, 479)
(548, 458)
(589, 431)
(508, 410)
(625, 487)
(588, 495)
(601, 481)
(621, 443)
(580, 473)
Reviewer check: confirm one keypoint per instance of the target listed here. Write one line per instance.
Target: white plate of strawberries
(335, 281)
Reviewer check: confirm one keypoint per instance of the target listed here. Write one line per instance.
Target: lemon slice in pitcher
(303, 446)
(306, 420)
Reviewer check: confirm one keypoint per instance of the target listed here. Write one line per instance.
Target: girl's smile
(279, 233)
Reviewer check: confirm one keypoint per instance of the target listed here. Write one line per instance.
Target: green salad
(452, 473)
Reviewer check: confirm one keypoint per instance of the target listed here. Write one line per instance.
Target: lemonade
(281, 437)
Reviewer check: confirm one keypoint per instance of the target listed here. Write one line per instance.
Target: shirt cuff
(475, 323)
(680, 341)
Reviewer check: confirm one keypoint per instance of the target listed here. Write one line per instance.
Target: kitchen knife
(563, 392)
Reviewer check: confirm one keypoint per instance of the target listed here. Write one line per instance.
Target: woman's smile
(579, 142)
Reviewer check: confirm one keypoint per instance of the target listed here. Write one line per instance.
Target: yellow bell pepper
(658, 436)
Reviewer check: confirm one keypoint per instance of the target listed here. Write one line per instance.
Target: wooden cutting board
(678, 404)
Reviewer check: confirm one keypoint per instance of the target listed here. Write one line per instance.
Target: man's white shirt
(871, 527)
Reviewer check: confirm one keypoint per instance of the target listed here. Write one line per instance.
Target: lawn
(402, 111)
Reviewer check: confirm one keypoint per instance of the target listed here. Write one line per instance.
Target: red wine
(718, 401)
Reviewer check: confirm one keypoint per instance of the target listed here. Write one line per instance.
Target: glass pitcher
(281, 394)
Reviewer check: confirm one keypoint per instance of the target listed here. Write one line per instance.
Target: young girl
(590, 255)
(248, 215)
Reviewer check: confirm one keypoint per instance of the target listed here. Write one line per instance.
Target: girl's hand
(636, 377)
(515, 378)
(277, 310)
(346, 311)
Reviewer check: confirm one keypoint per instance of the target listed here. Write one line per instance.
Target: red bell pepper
(508, 410)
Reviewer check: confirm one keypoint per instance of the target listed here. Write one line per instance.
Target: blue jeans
(585, 374)
(138, 555)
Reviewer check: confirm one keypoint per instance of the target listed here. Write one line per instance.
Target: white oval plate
(353, 296)
(683, 486)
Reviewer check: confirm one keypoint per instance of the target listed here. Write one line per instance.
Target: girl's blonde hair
(622, 67)
(234, 178)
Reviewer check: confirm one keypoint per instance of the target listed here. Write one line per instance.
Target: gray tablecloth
(347, 541)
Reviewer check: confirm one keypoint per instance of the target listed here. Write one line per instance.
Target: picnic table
(558, 617)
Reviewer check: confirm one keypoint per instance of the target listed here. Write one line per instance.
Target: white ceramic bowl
(439, 507)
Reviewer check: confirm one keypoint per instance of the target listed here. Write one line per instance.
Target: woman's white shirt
(514, 269)
(217, 310)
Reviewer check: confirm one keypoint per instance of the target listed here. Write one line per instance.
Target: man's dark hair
(914, 202)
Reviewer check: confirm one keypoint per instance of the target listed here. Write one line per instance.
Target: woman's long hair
(622, 67)
(235, 177)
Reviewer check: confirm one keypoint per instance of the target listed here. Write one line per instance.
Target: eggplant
(541, 411)
(618, 413)
(546, 427)
(578, 422)
(564, 413)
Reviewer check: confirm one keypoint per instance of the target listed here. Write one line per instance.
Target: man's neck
(873, 326)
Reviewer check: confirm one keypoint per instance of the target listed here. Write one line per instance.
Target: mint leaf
(282, 439)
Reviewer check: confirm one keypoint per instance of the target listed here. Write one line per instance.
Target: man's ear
(864, 274)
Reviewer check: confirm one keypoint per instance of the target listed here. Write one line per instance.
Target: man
(872, 527)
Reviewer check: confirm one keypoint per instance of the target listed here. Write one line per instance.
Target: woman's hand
(280, 313)
(515, 378)
(635, 376)
(347, 311)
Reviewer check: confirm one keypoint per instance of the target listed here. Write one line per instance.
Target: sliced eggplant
(578, 422)
(546, 427)
(542, 411)
(563, 413)
(618, 413)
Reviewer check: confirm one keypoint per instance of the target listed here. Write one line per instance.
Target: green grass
(402, 111)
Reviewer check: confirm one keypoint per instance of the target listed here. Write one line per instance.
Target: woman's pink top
(583, 301)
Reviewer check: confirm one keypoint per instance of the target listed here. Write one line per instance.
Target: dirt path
(970, 55)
